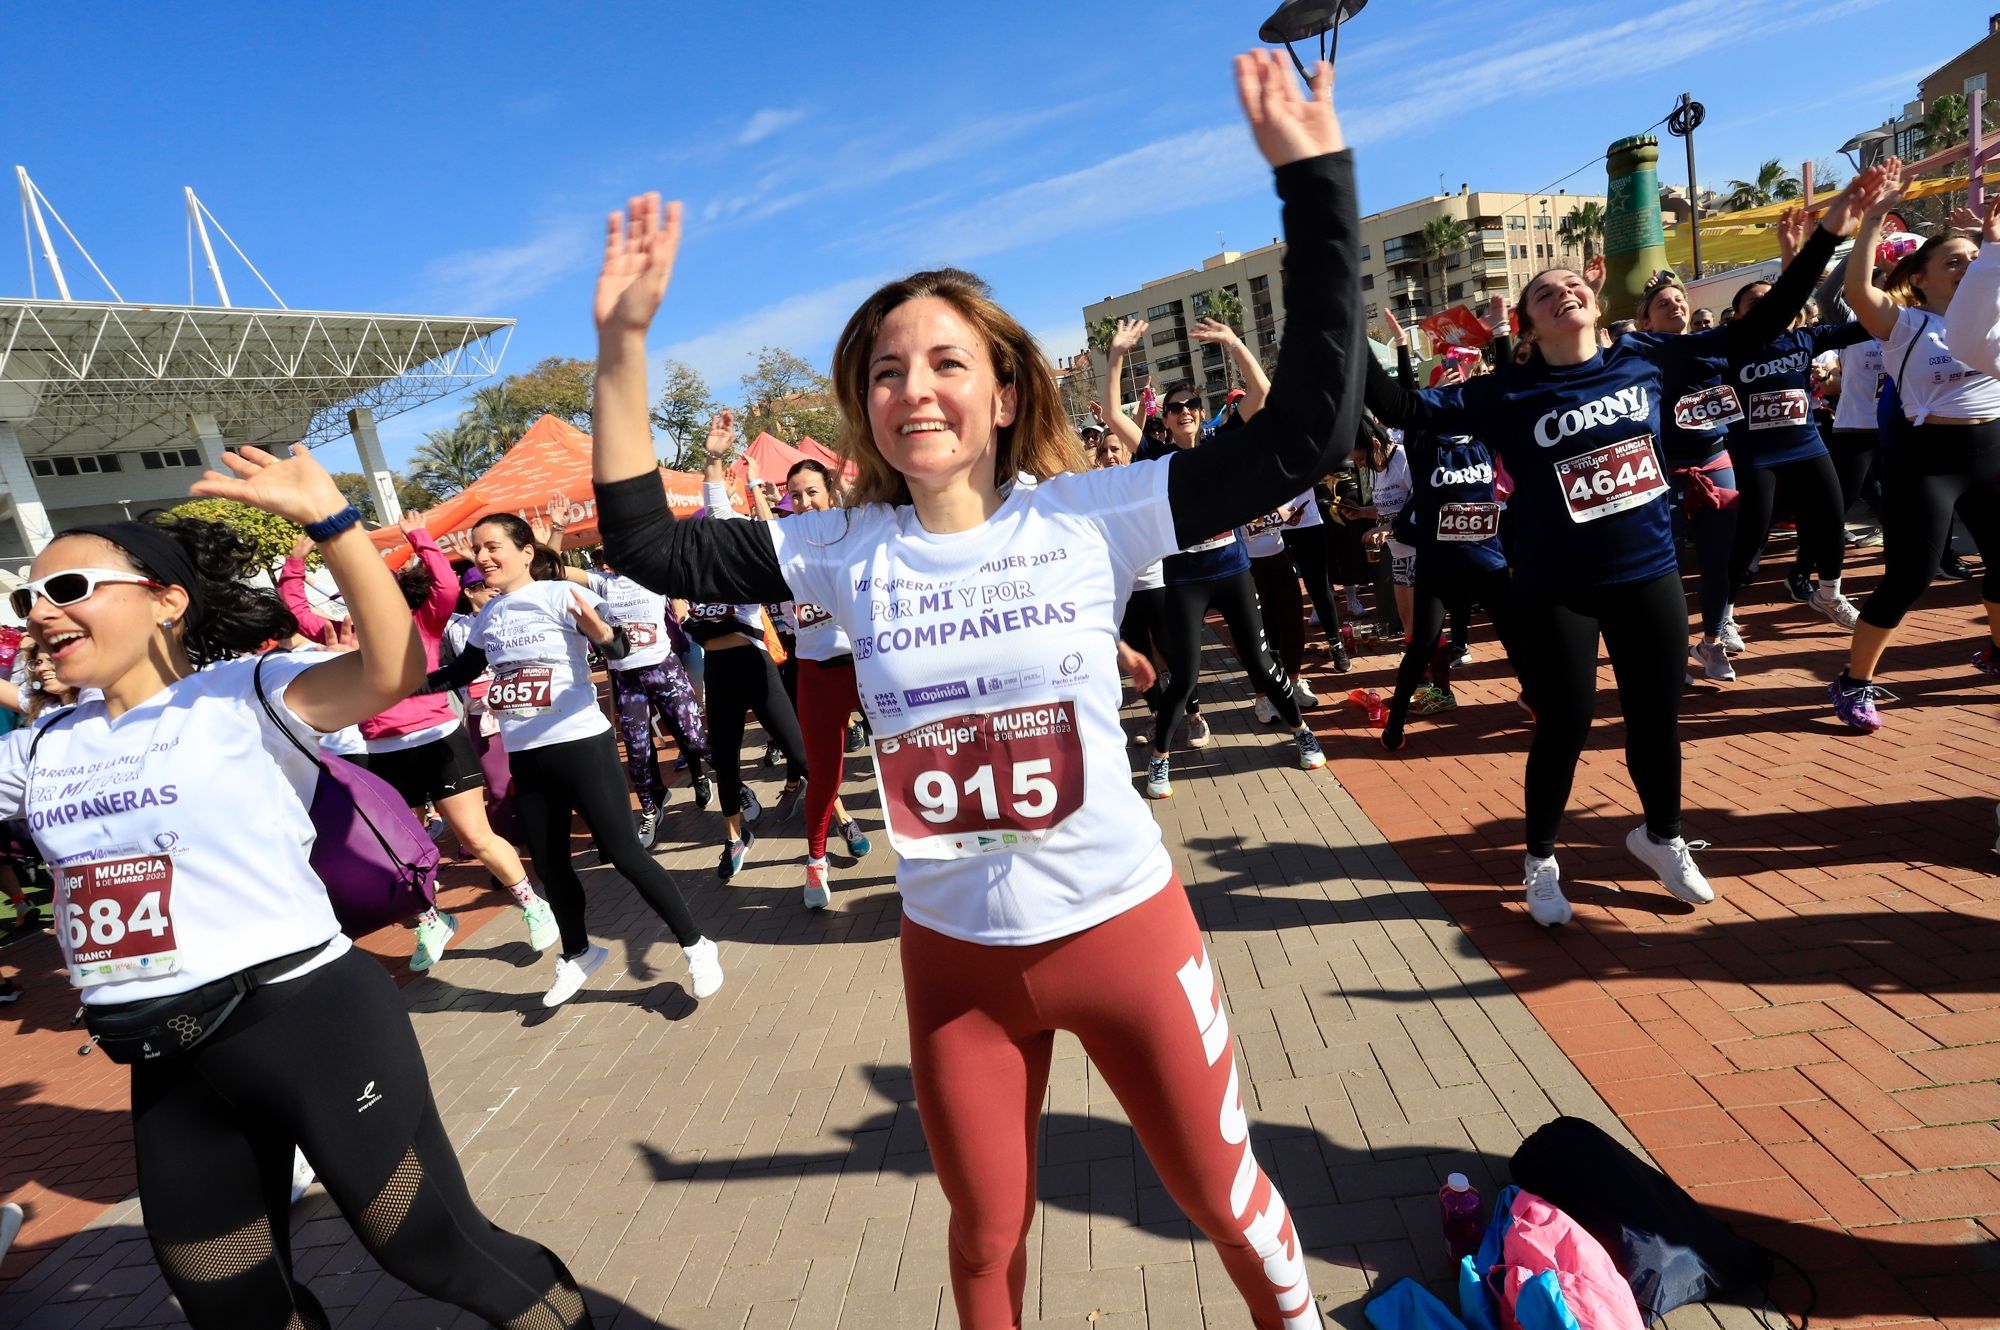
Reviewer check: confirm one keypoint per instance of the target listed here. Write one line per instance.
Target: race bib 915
(981, 783)
(117, 919)
(1611, 479)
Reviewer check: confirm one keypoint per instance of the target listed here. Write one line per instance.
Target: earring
(166, 623)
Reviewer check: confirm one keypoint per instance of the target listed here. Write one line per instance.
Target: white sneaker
(1673, 863)
(1731, 639)
(1266, 713)
(1159, 779)
(302, 1174)
(571, 973)
(12, 1217)
(1714, 658)
(1303, 691)
(1834, 606)
(818, 894)
(1547, 905)
(1198, 733)
(704, 968)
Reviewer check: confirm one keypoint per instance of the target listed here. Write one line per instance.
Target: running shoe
(1956, 568)
(1547, 905)
(1310, 756)
(1342, 662)
(302, 1174)
(1987, 661)
(1674, 863)
(857, 841)
(571, 972)
(1854, 703)
(1461, 656)
(1159, 779)
(27, 919)
(433, 936)
(1354, 602)
(1266, 713)
(1303, 693)
(1714, 658)
(1392, 728)
(857, 738)
(1431, 699)
(541, 921)
(9, 992)
(1730, 637)
(681, 763)
(752, 808)
(1799, 585)
(12, 1217)
(649, 827)
(704, 791)
(733, 852)
(772, 756)
(818, 894)
(1825, 600)
(704, 960)
(788, 799)
(1198, 733)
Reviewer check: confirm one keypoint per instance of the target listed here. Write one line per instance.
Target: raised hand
(302, 547)
(543, 531)
(1213, 330)
(1097, 412)
(1125, 339)
(639, 249)
(1397, 337)
(1868, 194)
(1288, 126)
(1963, 219)
(1496, 314)
(721, 434)
(296, 488)
(1793, 227)
(1990, 231)
(1593, 273)
(410, 522)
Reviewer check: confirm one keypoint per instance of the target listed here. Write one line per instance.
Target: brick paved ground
(1816, 1055)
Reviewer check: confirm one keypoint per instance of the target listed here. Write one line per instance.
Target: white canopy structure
(111, 408)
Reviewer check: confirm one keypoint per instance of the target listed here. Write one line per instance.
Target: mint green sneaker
(432, 939)
(541, 922)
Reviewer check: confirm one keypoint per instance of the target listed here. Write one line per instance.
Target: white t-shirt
(1860, 384)
(643, 614)
(1151, 577)
(1933, 382)
(178, 834)
(1267, 533)
(541, 692)
(1009, 631)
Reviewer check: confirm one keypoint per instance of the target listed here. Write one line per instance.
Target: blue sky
(459, 158)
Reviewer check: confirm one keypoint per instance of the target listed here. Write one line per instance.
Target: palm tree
(1946, 121)
(1224, 306)
(1771, 185)
(1584, 226)
(450, 460)
(1444, 237)
(1100, 334)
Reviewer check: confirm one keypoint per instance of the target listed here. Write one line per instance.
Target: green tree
(558, 386)
(1584, 226)
(413, 496)
(449, 460)
(269, 535)
(1222, 305)
(1443, 237)
(1771, 186)
(786, 397)
(682, 415)
(1946, 121)
(1100, 333)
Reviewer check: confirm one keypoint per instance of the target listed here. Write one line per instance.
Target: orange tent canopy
(546, 471)
(767, 458)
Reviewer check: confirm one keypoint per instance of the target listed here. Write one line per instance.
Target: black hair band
(157, 553)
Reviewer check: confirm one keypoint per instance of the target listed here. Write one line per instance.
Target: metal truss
(104, 375)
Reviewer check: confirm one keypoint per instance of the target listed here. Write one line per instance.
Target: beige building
(1976, 68)
(1513, 236)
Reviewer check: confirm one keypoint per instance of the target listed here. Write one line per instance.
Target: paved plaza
(1817, 1055)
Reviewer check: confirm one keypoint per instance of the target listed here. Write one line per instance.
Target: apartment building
(1511, 237)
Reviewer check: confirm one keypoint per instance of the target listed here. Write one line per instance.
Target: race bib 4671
(981, 783)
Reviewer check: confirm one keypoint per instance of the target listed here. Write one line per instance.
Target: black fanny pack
(171, 1026)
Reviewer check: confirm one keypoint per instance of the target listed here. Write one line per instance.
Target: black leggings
(1812, 488)
(1455, 590)
(583, 776)
(327, 1062)
(742, 680)
(1187, 604)
(1853, 453)
(1139, 629)
(1311, 557)
(1931, 471)
(1644, 625)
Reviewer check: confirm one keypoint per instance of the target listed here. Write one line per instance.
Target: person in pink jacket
(420, 745)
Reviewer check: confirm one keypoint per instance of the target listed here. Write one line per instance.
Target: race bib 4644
(1611, 479)
(981, 783)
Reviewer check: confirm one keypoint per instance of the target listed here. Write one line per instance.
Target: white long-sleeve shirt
(1972, 324)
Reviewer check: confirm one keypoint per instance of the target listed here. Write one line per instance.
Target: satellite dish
(1300, 20)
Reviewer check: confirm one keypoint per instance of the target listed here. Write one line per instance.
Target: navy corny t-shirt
(1775, 383)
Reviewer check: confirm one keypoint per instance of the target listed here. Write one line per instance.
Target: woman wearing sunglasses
(980, 576)
(203, 942)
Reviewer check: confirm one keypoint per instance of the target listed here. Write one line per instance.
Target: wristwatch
(328, 527)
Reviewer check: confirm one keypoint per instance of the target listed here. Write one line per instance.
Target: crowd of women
(975, 592)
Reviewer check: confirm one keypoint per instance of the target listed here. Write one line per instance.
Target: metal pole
(31, 201)
(208, 250)
(1694, 192)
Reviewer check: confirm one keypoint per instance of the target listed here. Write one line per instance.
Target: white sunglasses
(70, 586)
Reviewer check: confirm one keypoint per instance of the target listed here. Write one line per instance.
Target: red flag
(1456, 326)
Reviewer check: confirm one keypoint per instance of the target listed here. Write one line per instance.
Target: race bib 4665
(981, 783)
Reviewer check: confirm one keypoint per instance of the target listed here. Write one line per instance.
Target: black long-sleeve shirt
(1308, 421)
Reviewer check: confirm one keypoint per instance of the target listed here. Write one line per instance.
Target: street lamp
(1297, 20)
(1682, 121)
(1857, 147)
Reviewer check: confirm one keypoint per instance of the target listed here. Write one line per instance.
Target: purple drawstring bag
(378, 864)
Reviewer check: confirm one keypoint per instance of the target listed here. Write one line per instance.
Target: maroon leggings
(1139, 993)
(827, 697)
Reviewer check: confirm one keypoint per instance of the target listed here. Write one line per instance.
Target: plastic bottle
(1347, 636)
(1458, 1211)
(1371, 702)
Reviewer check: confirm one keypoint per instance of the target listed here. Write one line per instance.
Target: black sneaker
(788, 799)
(772, 756)
(704, 791)
(1341, 662)
(857, 739)
(1956, 568)
(1799, 584)
(733, 852)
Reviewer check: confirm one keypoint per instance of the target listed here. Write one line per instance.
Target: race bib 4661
(981, 783)
(1611, 479)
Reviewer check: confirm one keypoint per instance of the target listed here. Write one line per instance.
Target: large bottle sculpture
(1634, 244)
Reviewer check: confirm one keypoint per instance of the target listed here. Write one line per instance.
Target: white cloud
(492, 280)
(806, 323)
(768, 121)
